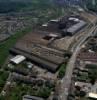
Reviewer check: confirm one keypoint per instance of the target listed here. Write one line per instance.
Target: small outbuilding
(28, 97)
(92, 96)
(17, 59)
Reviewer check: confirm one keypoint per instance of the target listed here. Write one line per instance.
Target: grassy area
(3, 77)
(62, 70)
(4, 48)
(84, 98)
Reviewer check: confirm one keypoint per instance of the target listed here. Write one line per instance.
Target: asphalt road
(66, 82)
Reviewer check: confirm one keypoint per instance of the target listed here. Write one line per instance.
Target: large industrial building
(75, 28)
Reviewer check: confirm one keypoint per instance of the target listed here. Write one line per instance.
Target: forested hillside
(19, 5)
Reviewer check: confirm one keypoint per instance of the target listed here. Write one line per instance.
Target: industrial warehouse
(66, 26)
(39, 47)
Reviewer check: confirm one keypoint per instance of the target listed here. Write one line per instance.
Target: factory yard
(46, 45)
(38, 60)
(48, 50)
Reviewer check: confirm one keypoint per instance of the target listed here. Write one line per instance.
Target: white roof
(91, 51)
(81, 84)
(74, 19)
(18, 59)
(76, 27)
(45, 25)
(83, 46)
(30, 65)
(92, 95)
(28, 97)
(53, 35)
(80, 9)
(54, 20)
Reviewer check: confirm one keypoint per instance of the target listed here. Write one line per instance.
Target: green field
(61, 71)
(3, 78)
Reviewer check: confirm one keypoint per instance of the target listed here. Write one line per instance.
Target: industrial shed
(42, 62)
(28, 97)
(17, 59)
(74, 28)
(92, 96)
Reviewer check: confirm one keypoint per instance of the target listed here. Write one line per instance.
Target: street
(66, 82)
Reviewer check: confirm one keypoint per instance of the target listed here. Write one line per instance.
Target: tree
(93, 75)
(82, 93)
(62, 71)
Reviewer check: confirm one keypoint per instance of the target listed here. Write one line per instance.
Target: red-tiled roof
(87, 56)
